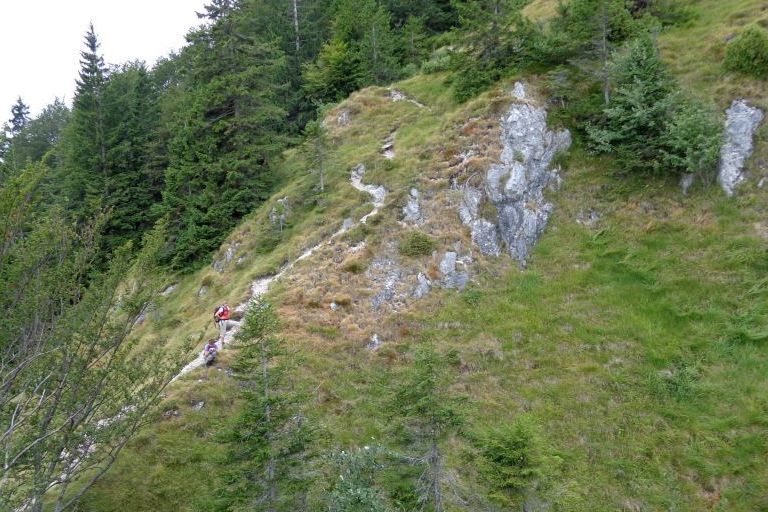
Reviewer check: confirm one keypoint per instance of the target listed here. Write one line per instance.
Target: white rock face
(412, 211)
(515, 186)
(741, 122)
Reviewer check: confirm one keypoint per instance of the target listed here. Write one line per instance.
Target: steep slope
(629, 350)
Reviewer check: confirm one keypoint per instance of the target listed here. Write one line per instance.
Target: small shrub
(440, 60)
(748, 53)
(691, 141)
(357, 266)
(268, 241)
(473, 296)
(416, 244)
(510, 461)
(343, 300)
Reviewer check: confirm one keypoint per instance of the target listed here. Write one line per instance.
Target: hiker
(222, 320)
(210, 351)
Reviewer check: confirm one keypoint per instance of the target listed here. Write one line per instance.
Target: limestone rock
(515, 186)
(422, 289)
(588, 219)
(388, 148)
(386, 275)
(374, 343)
(412, 210)
(451, 277)
(169, 290)
(740, 125)
(344, 117)
(229, 255)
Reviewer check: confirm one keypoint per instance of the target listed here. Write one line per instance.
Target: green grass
(634, 353)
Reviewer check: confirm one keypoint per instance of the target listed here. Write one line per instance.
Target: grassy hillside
(631, 351)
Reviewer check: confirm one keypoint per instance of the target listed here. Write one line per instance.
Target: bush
(440, 60)
(691, 141)
(417, 243)
(748, 53)
(510, 461)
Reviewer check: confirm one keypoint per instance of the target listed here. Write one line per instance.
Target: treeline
(194, 140)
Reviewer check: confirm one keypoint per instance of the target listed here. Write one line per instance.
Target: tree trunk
(296, 25)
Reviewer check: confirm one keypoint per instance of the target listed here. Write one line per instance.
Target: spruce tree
(85, 151)
(631, 126)
(19, 117)
(131, 118)
(428, 415)
(269, 438)
(224, 140)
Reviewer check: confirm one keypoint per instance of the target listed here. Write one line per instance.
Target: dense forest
(149, 170)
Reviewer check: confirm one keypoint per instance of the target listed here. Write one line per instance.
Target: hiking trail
(260, 286)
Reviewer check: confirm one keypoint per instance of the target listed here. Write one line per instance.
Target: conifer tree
(428, 416)
(268, 440)
(19, 117)
(42, 133)
(231, 128)
(85, 151)
(131, 118)
(632, 125)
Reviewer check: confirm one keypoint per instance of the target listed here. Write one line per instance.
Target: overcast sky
(41, 41)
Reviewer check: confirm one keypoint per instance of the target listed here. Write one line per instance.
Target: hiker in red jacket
(222, 320)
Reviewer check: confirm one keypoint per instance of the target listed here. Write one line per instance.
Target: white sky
(40, 41)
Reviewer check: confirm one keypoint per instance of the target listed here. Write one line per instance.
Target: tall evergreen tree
(85, 150)
(41, 134)
(233, 126)
(268, 440)
(19, 117)
(131, 118)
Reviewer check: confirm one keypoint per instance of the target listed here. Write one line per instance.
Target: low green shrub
(748, 53)
(417, 243)
(510, 460)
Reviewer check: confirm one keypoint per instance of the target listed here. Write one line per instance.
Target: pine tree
(85, 151)
(428, 415)
(632, 125)
(19, 117)
(269, 438)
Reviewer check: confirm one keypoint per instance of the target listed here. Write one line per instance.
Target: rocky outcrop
(229, 255)
(385, 274)
(740, 125)
(396, 96)
(423, 286)
(412, 211)
(452, 278)
(388, 148)
(508, 210)
(279, 213)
